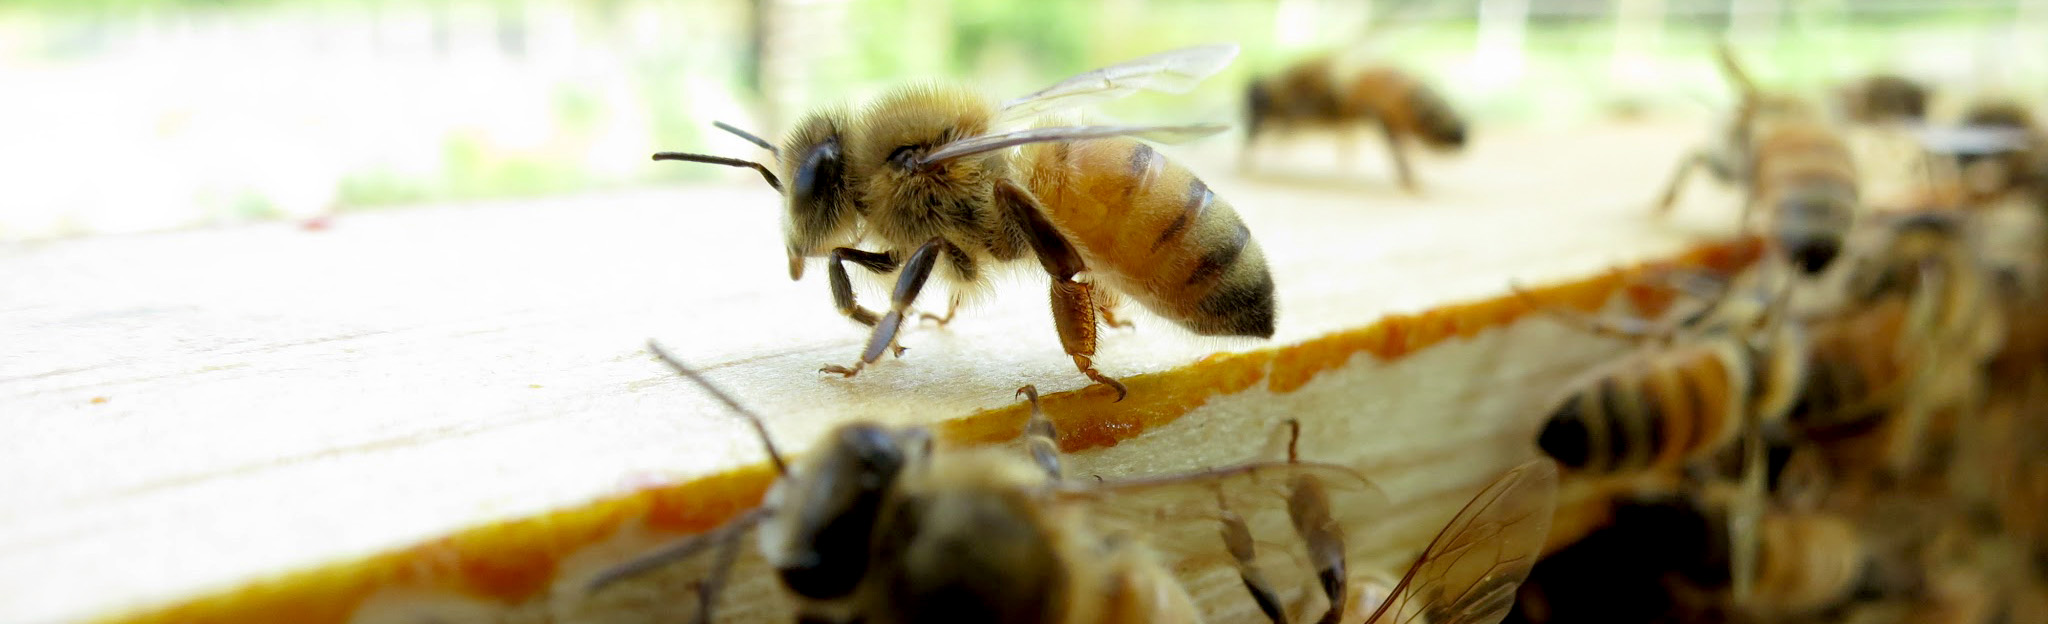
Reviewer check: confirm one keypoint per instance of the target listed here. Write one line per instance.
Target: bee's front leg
(842, 286)
(909, 282)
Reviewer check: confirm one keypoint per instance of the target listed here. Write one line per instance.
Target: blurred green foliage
(608, 80)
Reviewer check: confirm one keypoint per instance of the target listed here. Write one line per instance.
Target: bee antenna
(774, 455)
(721, 160)
(749, 136)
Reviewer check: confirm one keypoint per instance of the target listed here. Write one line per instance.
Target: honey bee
(1467, 575)
(1694, 388)
(1883, 98)
(1952, 321)
(1316, 93)
(1728, 372)
(880, 526)
(1665, 558)
(924, 172)
(2011, 152)
(1790, 163)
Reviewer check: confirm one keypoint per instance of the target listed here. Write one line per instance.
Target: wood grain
(184, 413)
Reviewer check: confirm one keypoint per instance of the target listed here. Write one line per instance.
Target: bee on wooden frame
(1728, 372)
(879, 526)
(1790, 163)
(1315, 93)
(1665, 557)
(1883, 98)
(925, 173)
(1923, 269)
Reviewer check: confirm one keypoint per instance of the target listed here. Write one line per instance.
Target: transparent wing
(1174, 71)
(1971, 140)
(732, 533)
(1469, 573)
(1179, 516)
(991, 142)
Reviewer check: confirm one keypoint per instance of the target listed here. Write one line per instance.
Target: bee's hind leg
(1106, 302)
(909, 282)
(1073, 303)
(1073, 313)
(952, 305)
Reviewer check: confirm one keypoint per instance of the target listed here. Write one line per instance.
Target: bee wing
(680, 550)
(1469, 573)
(1971, 140)
(1180, 514)
(1173, 71)
(991, 142)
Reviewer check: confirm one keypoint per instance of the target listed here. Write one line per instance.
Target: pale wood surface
(277, 398)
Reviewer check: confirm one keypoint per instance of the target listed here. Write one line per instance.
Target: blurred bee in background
(925, 172)
(1790, 163)
(2017, 160)
(1726, 372)
(1951, 324)
(1467, 575)
(1319, 92)
(1883, 98)
(880, 526)
(1665, 557)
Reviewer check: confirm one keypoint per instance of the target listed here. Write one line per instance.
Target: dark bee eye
(819, 170)
(835, 522)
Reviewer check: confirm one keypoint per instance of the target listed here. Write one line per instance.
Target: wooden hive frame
(1430, 385)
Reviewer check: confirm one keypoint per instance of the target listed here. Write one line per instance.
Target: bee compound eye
(819, 171)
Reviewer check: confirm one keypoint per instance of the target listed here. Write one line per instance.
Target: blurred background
(135, 115)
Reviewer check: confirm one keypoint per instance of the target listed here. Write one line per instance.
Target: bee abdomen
(1812, 220)
(1649, 412)
(1155, 232)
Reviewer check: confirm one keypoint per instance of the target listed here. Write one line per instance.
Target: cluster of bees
(1848, 431)
(1828, 430)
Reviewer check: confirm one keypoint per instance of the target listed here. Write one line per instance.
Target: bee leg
(1106, 303)
(1073, 314)
(1308, 505)
(952, 305)
(1040, 437)
(1073, 303)
(714, 581)
(1237, 538)
(842, 286)
(1677, 183)
(1109, 318)
(909, 282)
(1397, 148)
(1624, 328)
(1745, 513)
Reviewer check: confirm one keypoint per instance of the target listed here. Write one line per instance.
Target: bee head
(826, 512)
(1441, 127)
(1566, 437)
(819, 206)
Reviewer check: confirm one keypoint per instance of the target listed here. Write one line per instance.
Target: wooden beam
(187, 413)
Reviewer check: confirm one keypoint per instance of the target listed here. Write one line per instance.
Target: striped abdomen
(1653, 410)
(1805, 181)
(1150, 229)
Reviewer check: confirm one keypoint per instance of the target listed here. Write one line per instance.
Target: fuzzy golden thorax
(820, 204)
(909, 203)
